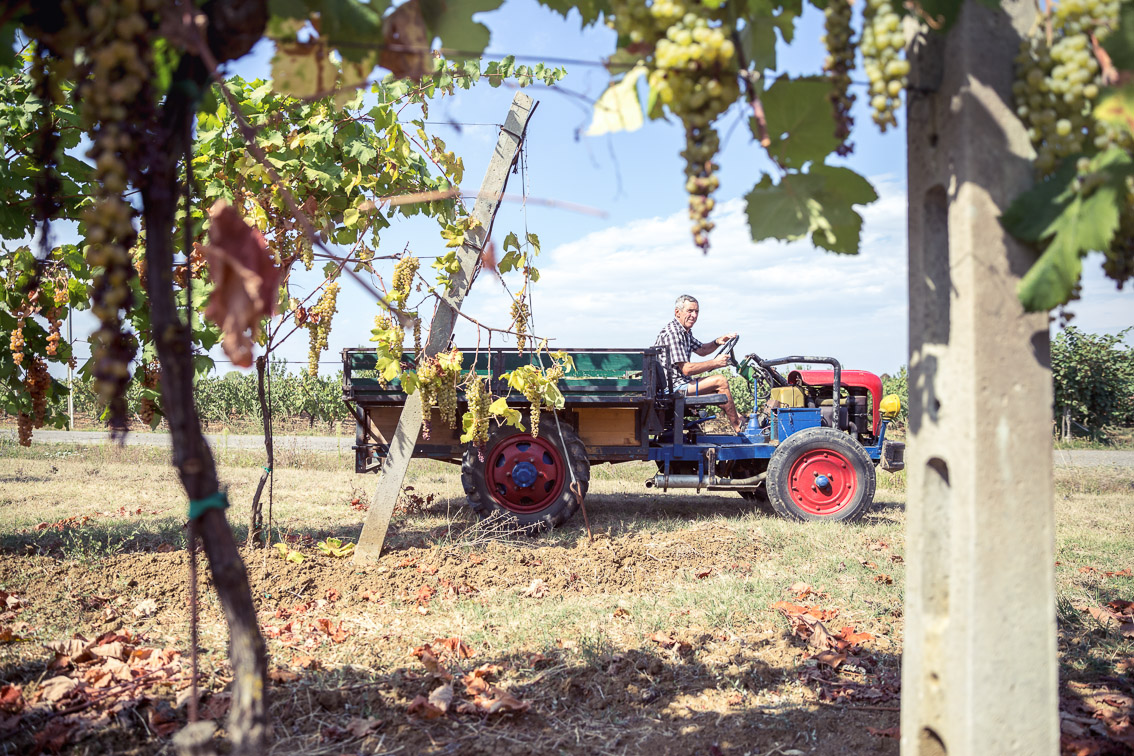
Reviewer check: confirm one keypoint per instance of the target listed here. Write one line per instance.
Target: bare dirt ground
(687, 626)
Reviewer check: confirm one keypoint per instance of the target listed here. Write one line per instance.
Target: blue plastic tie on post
(267, 469)
(197, 507)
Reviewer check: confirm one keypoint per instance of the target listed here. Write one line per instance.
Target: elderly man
(677, 343)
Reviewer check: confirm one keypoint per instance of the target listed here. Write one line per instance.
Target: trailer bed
(609, 398)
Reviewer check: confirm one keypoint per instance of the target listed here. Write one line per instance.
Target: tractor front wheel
(524, 479)
(821, 474)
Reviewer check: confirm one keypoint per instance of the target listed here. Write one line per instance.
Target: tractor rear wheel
(821, 474)
(524, 479)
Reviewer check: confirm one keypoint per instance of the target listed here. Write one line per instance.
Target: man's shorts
(689, 389)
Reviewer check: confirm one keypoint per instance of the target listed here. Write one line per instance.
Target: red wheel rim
(515, 461)
(805, 478)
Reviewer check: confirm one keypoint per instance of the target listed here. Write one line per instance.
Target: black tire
(488, 481)
(808, 456)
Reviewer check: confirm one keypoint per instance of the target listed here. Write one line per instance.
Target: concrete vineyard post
(979, 661)
(441, 330)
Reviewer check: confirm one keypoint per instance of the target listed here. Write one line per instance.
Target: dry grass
(568, 619)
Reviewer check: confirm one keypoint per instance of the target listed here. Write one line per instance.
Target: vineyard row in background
(1093, 376)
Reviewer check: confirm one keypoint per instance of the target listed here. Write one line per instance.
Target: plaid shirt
(676, 345)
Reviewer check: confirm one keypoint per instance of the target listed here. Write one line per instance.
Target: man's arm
(696, 368)
(706, 349)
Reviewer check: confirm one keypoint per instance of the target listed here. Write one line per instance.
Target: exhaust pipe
(711, 482)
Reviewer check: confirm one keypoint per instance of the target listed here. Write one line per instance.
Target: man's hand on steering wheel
(727, 349)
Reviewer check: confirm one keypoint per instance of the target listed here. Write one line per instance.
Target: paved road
(1062, 458)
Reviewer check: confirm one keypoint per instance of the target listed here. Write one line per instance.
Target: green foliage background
(1094, 379)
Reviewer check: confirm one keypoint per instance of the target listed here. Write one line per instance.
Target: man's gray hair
(682, 300)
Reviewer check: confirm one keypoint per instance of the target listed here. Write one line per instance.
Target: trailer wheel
(821, 474)
(525, 479)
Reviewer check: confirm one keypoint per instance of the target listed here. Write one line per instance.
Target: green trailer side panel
(614, 373)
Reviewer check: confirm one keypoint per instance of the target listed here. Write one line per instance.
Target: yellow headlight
(891, 405)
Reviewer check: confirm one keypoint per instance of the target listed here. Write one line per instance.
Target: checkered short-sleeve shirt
(676, 345)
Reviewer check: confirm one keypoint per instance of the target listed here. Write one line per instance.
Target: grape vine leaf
(1119, 44)
(302, 69)
(404, 31)
(800, 120)
(589, 11)
(1072, 221)
(451, 20)
(8, 45)
(758, 43)
(819, 204)
(1117, 107)
(619, 108)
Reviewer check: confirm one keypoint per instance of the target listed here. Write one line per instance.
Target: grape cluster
(54, 324)
(532, 394)
(54, 316)
(428, 371)
(24, 428)
(36, 383)
(838, 65)
(416, 337)
(119, 61)
(520, 315)
(882, 44)
(16, 341)
(478, 399)
(1057, 85)
(319, 325)
(404, 271)
(696, 76)
(147, 408)
(450, 376)
(437, 380)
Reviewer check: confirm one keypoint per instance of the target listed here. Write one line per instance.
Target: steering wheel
(727, 348)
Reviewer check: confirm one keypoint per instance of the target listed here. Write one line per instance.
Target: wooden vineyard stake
(441, 330)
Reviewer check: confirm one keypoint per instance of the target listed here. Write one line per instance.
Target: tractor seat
(702, 400)
(670, 397)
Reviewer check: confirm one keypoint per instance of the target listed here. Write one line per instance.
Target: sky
(611, 281)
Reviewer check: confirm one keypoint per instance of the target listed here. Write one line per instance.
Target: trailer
(809, 453)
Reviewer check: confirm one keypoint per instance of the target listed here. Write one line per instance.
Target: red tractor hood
(857, 378)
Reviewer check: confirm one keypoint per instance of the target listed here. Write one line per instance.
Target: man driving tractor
(677, 344)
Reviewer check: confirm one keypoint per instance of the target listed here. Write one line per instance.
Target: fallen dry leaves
(90, 681)
(480, 695)
(1117, 615)
(1094, 718)
(538, 589)
(835, 652)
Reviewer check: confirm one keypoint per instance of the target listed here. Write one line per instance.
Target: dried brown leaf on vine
(405, 43)
(245, 278)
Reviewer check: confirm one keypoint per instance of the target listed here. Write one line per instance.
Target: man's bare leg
(717, 384)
